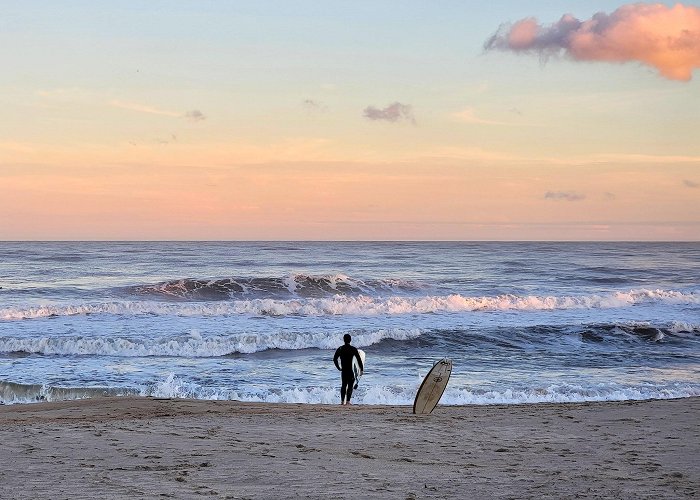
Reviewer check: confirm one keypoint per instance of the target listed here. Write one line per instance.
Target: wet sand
(160, 448)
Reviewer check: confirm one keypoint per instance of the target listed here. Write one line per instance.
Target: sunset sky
(362, 120)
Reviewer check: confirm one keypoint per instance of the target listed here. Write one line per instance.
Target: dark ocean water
(522, 322)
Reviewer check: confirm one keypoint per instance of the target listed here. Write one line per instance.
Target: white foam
(682, 328)
(176, 387)
(195, 345)
(358, 306)
(567, 394)
(173, 387)
(290, 283)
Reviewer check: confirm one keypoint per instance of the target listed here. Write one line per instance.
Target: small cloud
(564, 196)
(392, 113)
(195, 115)
(691, 184)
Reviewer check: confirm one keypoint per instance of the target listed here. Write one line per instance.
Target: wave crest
(194, 345)
(14, 393)
(362, 305)
(295, 285)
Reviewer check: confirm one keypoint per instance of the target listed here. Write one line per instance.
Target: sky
(336, 120)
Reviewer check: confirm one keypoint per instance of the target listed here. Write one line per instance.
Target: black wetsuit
(345, 353)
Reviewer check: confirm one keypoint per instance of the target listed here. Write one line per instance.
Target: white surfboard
(356, 367)
(433, 387)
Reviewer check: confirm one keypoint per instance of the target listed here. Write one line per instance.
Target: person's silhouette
(346, 353)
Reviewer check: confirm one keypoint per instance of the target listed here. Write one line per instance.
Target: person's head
(347, 338)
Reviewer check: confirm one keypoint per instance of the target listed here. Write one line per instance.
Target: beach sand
(158, 448)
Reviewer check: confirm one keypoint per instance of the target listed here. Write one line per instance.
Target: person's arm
(335, 358)
(359, 361)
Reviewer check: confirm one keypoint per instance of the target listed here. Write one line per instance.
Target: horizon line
(334, 241)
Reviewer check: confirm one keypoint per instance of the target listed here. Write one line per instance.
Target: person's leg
(351, 382)
(345, 387)
(342, 392)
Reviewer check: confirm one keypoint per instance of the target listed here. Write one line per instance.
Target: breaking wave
(361, 305)
(194, 345)
(176, 387)
(295, 285)
(13, 393)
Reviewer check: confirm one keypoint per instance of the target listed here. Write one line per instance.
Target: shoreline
(134, 399)
(130, 447)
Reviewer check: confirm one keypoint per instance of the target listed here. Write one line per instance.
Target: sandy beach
(157, 448)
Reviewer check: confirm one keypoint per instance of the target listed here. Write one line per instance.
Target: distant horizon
(349, 241)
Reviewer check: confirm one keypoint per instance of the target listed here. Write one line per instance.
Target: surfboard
(432, 387)
(356, 368)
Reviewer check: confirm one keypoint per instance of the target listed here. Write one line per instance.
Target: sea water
(260, 321)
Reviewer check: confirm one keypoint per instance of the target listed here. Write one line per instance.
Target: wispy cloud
(564, 196)
(392, 113)
(194, 115)
(691, 184)
(665, 38)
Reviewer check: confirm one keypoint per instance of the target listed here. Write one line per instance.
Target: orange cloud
(665, 38)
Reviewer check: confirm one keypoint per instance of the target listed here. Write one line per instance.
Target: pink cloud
(665, 38)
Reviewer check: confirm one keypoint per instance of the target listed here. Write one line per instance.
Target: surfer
(346, 353)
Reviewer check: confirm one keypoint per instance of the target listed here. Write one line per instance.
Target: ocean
(260, 321)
